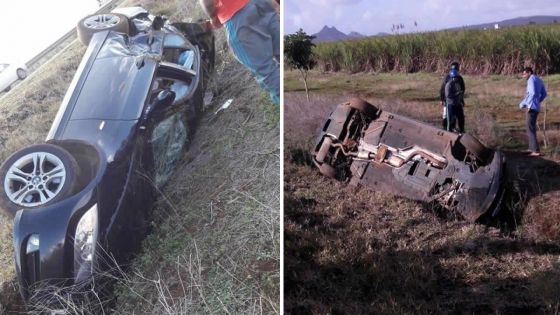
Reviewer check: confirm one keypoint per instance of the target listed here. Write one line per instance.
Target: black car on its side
(83, 197)
(365, 145)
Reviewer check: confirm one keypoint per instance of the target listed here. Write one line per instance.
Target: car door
(172, 121)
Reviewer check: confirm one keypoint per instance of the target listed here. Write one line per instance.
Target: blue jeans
(254, 37)
(532, 130)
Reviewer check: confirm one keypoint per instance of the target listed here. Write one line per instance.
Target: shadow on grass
(362, 276)
(337, 263)
(528, 178)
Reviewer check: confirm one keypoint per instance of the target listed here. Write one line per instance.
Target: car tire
(364, 107)
(95, 23)
(474, 146)
(56, 178)
(327, 170)
(323, 150)
(21, 73)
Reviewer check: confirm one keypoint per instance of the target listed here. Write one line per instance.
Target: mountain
(525, 20)
(355, 35)
(331, 34)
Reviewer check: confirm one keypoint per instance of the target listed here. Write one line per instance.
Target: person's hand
(215, 23)
(210, 25)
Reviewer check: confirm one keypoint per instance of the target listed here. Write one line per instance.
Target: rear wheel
(364, 107)
(95, 23)
(36, 176)
(327, 170)
(323, 150)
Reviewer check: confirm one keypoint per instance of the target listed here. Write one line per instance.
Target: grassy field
(502, 51)
(215, 245)
(355, 251)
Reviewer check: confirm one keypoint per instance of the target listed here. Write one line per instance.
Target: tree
(298, 54)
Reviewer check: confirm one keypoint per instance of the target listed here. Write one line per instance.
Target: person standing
(253, 33)
(454, 102)
(531, 104)
(459, 80)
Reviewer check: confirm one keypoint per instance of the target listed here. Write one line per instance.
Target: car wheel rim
(34, 179)
(20, 73)
(102, 21)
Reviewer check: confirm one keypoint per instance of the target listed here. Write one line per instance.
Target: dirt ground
(352, 250)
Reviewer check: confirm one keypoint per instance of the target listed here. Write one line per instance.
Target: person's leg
(451, 117)
(460, 114)
(532, 130)
(249, 40)
(272, 22)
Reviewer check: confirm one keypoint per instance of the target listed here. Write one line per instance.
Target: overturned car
(367, 146)
(81, 200)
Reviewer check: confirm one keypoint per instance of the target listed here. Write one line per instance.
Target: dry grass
(214, 247)
(356, 251)
(26, 114)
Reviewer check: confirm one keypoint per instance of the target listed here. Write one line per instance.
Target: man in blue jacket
(536, 93)
(459, 79)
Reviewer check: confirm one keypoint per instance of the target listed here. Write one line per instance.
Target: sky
(370, 17)
(29, 26)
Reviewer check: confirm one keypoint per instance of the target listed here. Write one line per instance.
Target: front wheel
(474, 146)
(36, 176)
(95, 23)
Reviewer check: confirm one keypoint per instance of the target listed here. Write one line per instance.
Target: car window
(177, 50)
(180, 88)
(168, 139)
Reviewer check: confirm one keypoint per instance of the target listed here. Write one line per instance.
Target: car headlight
(85, 240)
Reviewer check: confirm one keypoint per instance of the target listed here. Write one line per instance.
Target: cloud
(338, 14)
(296, 19)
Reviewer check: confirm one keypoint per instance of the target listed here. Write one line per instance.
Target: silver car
(10, 73)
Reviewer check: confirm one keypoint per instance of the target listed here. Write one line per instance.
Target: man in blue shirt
(536, 93)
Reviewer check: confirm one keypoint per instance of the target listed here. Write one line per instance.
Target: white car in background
(10, 73)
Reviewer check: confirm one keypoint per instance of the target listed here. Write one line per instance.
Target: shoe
(536, 154)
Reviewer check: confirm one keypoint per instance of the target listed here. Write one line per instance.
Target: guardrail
(63, 41)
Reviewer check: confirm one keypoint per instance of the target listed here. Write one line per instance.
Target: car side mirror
(164, 99)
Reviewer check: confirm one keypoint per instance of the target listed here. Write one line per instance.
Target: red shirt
(225, 9)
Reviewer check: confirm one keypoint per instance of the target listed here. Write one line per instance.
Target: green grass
(491, 109)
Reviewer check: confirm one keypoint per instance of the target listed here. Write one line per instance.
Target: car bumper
(49, 261)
